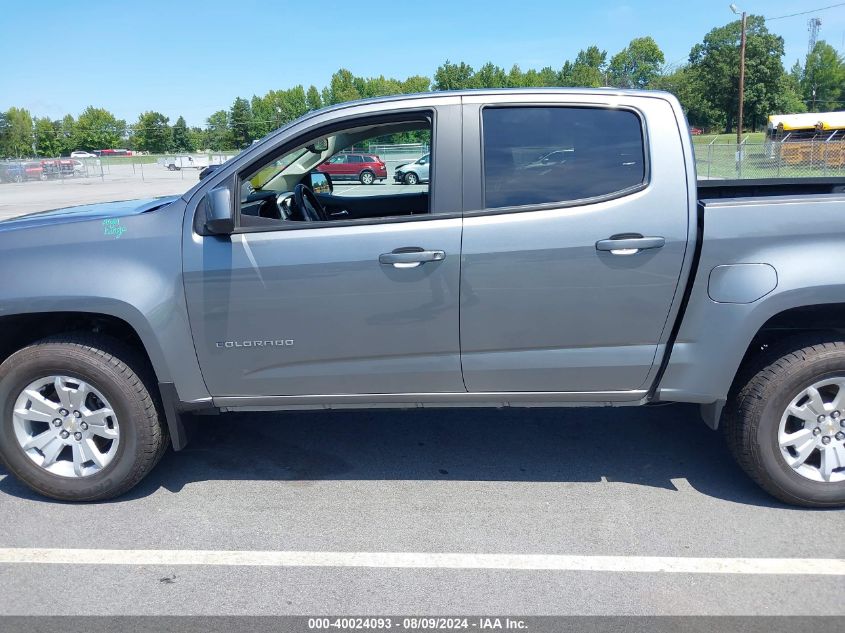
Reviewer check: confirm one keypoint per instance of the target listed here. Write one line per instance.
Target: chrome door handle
(629, 244)
(410, 257)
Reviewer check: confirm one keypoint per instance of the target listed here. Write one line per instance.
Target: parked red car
(696, 131)
(34, 171)
(366, 168)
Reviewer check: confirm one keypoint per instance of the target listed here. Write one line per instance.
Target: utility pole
(734, 8)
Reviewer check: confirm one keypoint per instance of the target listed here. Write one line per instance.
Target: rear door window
(539, 155)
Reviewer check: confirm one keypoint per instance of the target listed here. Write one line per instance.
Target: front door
(547, 303)
(340, 306)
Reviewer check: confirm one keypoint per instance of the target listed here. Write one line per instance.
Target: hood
(83, 212)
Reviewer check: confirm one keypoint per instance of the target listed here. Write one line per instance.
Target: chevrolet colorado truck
(606, 277)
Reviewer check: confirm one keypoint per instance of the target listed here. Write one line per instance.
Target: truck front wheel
(79, 420)
(785, 424)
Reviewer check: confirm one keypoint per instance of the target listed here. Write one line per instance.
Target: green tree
(312, 98)
(152, 133)
(451, 76)
(716, 62)
(241, 123)
(342, 87)
(490, 76)
(637, 65)
(97, 128)
(182, 141)
(588, 69)
(823, 78)
(294, 103)
(264, 117)
(685, 83)
(19, 132)
(789, 99)
(219, 135)
(65, 133)
(198, 138)
(4, 135)
(415, 84)
(47, 141)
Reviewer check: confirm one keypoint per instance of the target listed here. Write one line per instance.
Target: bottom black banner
(373, 624)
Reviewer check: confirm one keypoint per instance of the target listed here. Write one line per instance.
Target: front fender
(134, 274)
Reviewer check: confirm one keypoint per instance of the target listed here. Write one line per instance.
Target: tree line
(707, 86)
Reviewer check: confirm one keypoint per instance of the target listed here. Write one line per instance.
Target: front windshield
(269, 172)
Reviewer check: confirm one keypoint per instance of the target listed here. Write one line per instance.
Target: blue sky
(193, 57)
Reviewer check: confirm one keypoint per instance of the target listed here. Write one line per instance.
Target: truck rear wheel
(78, 418)
(785, 424)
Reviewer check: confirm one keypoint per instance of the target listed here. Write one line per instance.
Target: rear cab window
(537, 155)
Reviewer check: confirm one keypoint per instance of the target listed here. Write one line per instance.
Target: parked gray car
(609, 278)
(413, 173)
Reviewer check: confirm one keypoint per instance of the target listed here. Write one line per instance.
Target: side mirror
(218, 211)
(319, 146)
(319, 182)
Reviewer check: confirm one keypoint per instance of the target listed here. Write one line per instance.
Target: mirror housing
(319, 182)
(218, 211)
(319, 146)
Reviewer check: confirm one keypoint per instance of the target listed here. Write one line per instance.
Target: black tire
(123, 377)
(367, 177)
(411, 178)
(18, 178)
(171, 167)
(753, 415)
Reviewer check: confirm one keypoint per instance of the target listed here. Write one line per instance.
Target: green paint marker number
(112, 227)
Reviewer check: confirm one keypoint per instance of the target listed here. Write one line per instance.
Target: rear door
(569, 267)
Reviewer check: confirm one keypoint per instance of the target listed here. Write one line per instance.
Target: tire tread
(755, 384)
(134, 370)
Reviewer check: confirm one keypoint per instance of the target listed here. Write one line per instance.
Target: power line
(792, 15)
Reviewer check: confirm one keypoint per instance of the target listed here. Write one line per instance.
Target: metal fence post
(824, 158)
(709, 159)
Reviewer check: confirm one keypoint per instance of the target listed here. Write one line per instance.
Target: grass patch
(718, 139)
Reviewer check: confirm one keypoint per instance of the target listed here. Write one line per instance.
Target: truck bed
(755, 188)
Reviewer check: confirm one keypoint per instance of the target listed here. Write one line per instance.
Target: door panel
(339, 321)
(542, 309)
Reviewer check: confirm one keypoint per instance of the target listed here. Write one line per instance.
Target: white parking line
(547, 562)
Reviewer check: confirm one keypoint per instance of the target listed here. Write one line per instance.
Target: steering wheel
(308, 204)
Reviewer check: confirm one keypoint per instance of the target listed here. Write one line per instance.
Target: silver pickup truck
(607, 276)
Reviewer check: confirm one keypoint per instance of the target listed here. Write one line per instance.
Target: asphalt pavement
(317, 502)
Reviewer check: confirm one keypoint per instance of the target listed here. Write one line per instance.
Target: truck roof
(498, 91)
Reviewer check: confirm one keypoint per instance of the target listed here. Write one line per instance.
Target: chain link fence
(175, 172)
(800, 159)
(141, 167)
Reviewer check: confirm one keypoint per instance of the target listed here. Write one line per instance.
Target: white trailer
(175, 163)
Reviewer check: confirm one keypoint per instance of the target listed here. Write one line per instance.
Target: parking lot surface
(338, 491)
(121, 184)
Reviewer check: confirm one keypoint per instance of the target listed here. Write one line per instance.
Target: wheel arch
(22, 329)
(822, 319)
